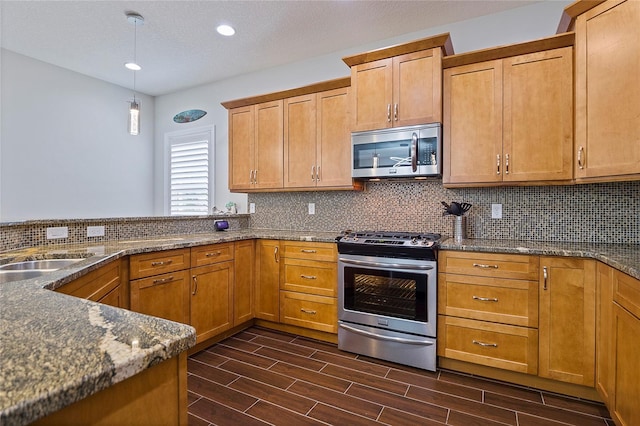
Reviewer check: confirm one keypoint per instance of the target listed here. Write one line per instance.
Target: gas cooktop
(387, 238)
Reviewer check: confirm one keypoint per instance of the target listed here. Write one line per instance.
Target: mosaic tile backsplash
(594, 213)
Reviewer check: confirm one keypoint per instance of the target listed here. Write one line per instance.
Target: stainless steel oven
(387, 296)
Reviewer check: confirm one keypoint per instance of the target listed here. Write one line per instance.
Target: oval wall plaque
(189, 116)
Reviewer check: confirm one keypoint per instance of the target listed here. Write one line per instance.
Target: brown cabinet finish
(604, 327)
(626, 369)
(333, 149)
(608, 92)
(326, 252)
(212, 299)
(149, 264)
(509, 120)
(309, 311)
(164, 296)
(267, 281)
(212, 253)
(310, 276)
(241, 147)
(399, 91)
(108, 285)
(494, 265)
(300, 141)
(567, 320)
(243, 289)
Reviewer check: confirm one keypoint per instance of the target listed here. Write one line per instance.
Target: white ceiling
(178, 46)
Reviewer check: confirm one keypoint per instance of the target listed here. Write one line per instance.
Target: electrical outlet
(496, 211)
(312, 208)
(57, 232)
(95, 231)
(252, 207)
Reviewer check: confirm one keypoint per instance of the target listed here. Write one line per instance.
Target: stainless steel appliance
(400, 152)
(387, 296)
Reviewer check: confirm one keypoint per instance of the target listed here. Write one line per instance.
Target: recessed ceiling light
(225, 30)
(132, 66)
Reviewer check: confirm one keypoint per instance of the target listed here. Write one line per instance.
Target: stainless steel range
(387, 296)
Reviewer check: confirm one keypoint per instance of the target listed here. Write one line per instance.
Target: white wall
(65, 149)
(513, 26)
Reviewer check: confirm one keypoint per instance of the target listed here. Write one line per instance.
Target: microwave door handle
(414, 152)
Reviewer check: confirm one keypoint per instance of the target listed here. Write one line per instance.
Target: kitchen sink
(7, 276)
(46, 265)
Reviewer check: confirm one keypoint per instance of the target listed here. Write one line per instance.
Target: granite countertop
(57, 349)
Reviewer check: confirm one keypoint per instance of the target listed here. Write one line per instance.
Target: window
(189, 176)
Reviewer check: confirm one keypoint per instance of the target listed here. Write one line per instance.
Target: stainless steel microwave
(400, 152)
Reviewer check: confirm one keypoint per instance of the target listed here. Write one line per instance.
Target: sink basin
(46, 264)
(7, 276)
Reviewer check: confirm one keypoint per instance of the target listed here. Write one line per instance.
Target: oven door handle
(388, 338)
(385, 264)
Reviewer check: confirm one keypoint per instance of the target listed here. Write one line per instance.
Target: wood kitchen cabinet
(398, 86)
(256, 146)
(604, 328)
(243, 289)
(567, 320)
(159, 284)
(267, 281)
(608, 92)
(308, 285)
(107, 284)
(212, 299)
(508, 116)
(317, 140)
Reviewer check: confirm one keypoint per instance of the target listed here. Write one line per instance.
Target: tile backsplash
(595, 213)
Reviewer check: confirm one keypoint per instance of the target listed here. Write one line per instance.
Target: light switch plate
(57, 232)
(252, 207)
(496, 211)
(312, 208)
(95, 231)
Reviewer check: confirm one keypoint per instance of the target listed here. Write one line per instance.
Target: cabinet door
(105, 285)
(333, 151)
(604, 327)
(472, 129)
(417, 88)
(608, 90)
(268, 145)
(243, 285)
(241, 147)
(567, 320)
(165, 296)
(212, 299)
(538, 116)
(626, 392)
(371, 86)
(300, 141)
(267, 282)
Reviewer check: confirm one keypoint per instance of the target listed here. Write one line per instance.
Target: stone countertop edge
(40, 323)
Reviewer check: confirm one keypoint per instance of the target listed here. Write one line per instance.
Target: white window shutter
(189, 178)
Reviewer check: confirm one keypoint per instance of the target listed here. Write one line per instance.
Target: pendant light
(133, 124)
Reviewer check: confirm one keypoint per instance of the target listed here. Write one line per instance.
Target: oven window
(382, 292)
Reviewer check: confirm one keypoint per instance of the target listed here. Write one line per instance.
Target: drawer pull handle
(483, 344)
(163, 280)
(161, 263)
(308, 251)
(308, 277)
(308, 311)
(545, 275)
(276, 255)
(218, 253)
(195, 285)
(485, 299)
(482, 265)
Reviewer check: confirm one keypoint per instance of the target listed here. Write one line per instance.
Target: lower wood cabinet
(164, 296)
(267, 281)
(567, 320)
(212, 299)
(604, 327)
(244, 275)
(108, 285)
(309, 311)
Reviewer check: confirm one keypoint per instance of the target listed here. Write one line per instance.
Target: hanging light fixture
(134, 106)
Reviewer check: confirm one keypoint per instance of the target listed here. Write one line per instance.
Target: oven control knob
(414, 241)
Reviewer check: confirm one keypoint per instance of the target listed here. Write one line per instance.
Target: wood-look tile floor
(260, 377)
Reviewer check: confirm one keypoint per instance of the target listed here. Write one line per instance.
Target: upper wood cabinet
(507, 116)
(608, 92)
(292, 140)
(255, 146)
(317, 140)
(399, 85)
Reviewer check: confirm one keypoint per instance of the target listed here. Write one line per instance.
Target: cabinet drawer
(309, 276)
(212, 253)
(500, 300)
(516, 266)
(495, 345)
(627, 292)
(310, 250)
(149, 264)
(309, 311)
